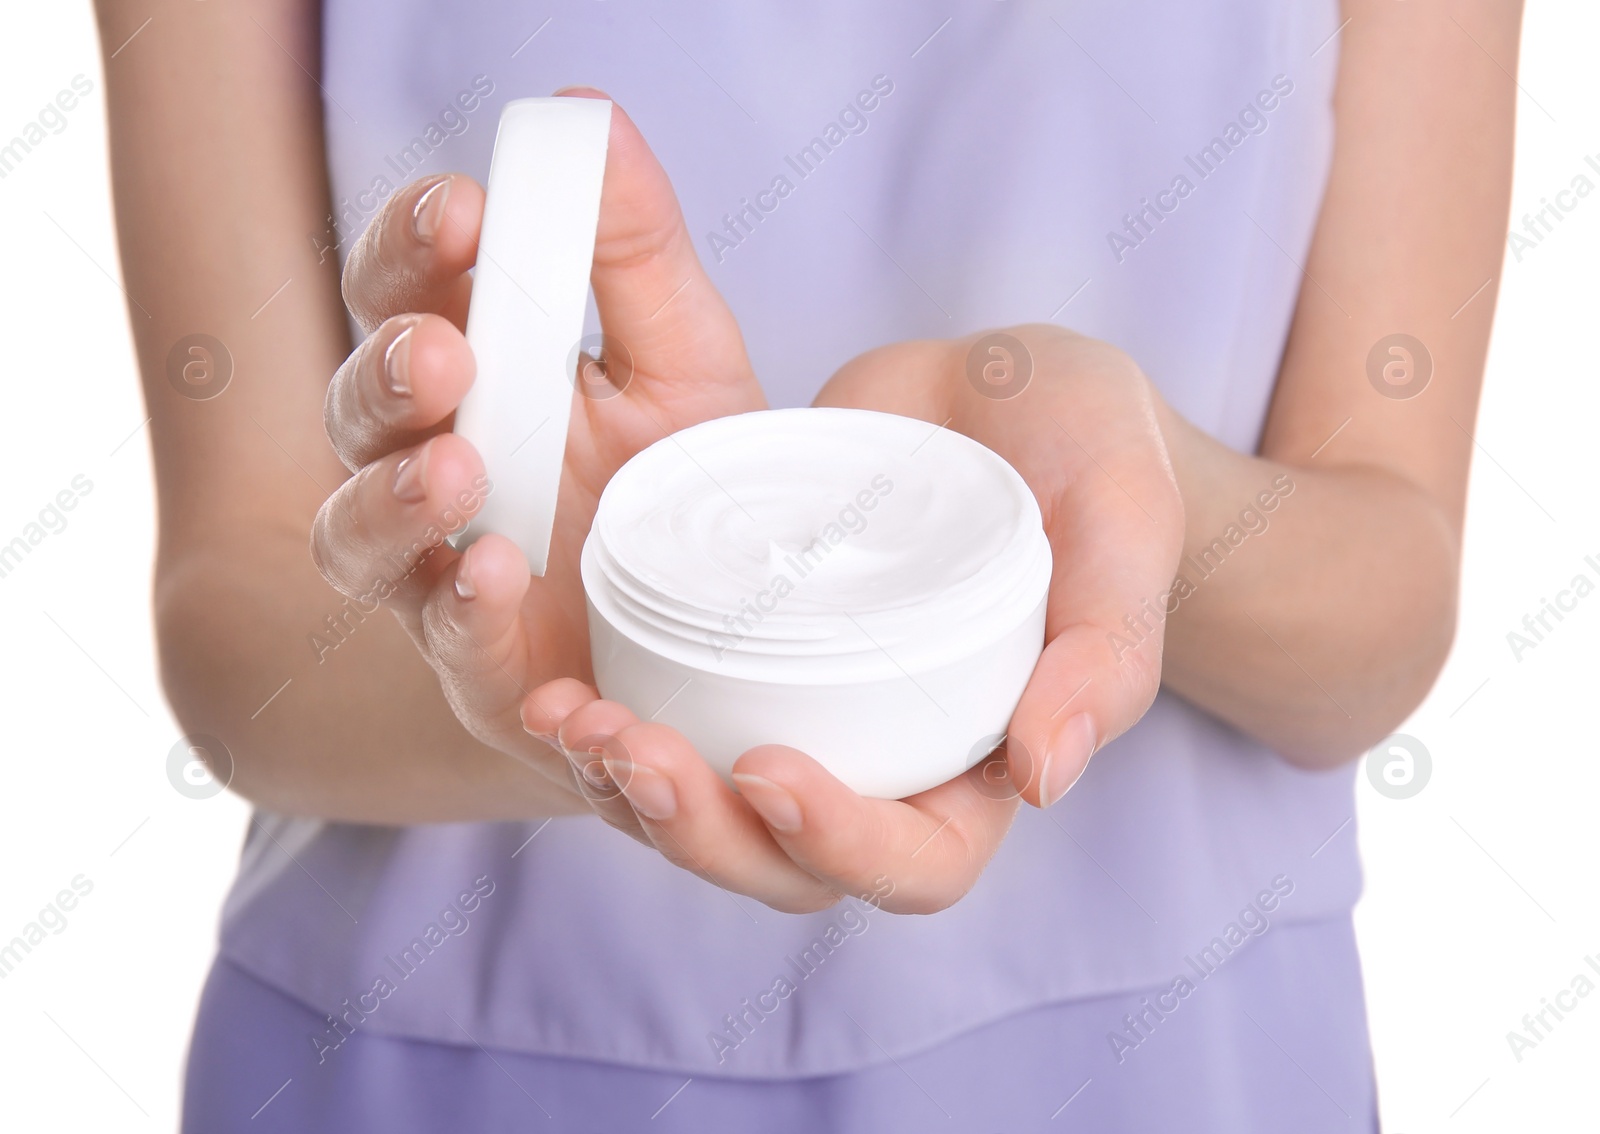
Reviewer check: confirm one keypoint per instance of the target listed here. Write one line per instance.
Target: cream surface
(816, 546)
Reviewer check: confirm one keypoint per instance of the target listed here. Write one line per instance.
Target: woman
(1274, 231)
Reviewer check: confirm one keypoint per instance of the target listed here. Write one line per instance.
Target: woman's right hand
(491, 631)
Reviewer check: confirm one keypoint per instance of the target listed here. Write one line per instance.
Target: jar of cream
(865, 587)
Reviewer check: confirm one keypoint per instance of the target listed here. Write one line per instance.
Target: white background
(1481, 890)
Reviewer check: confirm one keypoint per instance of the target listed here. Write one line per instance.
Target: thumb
(654, 296)
(1088, 687)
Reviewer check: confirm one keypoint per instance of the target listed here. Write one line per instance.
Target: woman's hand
(489, 629)
(1078, 420)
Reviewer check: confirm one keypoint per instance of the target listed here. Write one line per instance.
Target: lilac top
(1148, 173)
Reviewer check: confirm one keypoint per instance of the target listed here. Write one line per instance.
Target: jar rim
(905, 597)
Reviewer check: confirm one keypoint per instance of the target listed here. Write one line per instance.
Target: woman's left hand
(1078, 420)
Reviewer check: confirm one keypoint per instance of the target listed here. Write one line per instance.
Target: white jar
(867, 588)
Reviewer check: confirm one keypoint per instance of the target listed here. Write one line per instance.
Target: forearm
(325, 705)
(1313, 607)
(219, 186)
(1322, 632)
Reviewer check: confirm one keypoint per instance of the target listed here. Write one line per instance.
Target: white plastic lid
(525, 321)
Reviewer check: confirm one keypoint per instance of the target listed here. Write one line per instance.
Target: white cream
(861, 586)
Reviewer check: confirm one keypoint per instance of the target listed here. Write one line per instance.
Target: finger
(1101, 666)
(651, 291)
(399, 387)
(475, 636)
(589, 738)
(697, 822)
(382, 531)
(415, 254)
(916, 855)
(1116, 531)
(547, 707)
(1080, 697)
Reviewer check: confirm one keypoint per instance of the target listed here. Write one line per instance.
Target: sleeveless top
(1147, 173)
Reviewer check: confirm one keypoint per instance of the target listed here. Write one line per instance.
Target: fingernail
(429, 212)
(408, 486)
(651, 793)
(1066, 757)
(592, 770)
(774, 804)
(465, 591)
(547, 737)
(397, 364)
